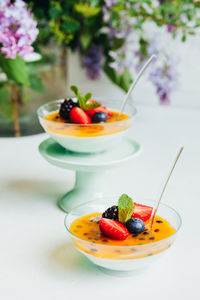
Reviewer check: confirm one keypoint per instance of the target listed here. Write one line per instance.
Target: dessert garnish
(111, 213)
(66, 107)
(84, 102)
(78, 116)
(142, 211)
(135, 225)
(128, 217)
(125, 208)
(97, 230)
(83, 110)
(97, 120)
(99, 116)
(113, 229)
(91, 112)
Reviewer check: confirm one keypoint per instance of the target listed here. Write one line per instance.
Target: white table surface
(37, 258)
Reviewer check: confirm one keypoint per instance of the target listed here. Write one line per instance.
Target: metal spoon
(164, 187)
(136, 81)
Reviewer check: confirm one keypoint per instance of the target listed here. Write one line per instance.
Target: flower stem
(15, 98)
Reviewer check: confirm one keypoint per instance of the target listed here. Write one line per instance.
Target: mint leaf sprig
(125, 208)
(83, 100)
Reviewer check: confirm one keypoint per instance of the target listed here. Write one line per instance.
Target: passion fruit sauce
(64, 127)
(116, 116)
(87, 228)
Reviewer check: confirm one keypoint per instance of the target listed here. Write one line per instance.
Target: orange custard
(61, 126)
(87, 228)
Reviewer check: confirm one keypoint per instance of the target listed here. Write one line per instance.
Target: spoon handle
(136, 81)
(164, 188)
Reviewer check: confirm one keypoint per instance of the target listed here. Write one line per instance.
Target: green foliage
(143, 46)
(4, 94)
(123, 80)
(21, 73)
(78, 24)
(69, 19)
(55, 10)
(85, 40)
(75, 90)
(5, 103)
(15, 69)
(62, 25)
(36, 84)
(125, 208)
(69, 25)
(86, 10)
(83, 100)
(91, 105)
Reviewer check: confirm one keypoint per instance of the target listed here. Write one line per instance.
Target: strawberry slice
(113, 229)
(78, 116)
(93, 101)
(142, 211)
(91, 112)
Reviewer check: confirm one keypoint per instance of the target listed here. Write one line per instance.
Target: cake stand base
(92, 178)
(88, 186)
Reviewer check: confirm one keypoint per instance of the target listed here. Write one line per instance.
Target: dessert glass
(88, 138)
(121, 258)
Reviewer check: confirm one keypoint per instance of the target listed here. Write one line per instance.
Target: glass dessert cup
(121, 258)
(86, 138)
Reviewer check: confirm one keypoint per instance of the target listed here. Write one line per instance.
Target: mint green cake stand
(92, 180)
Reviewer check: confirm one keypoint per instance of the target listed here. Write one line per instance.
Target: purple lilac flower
(163, 73)
(162, 84)
(93, 61)
(123, 28)
(18, 29)
(170, 28)
(4, 3)
(106, 15)
(120, 59)
(110, 3)
(122, 31)
(165, 78)
(119, 33)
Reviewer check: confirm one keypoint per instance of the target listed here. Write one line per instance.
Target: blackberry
(111, 213)
(66, 107)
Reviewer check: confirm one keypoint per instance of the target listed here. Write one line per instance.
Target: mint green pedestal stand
(92, 180)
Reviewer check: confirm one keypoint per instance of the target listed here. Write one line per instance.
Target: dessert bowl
(86, 138)
(121, 258)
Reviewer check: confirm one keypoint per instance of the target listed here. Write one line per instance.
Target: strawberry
(113, 229)
(142, 211)
(93, 101)
(78, 116)
(91, 112)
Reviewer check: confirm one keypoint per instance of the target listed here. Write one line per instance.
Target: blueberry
(135, 225)
(99, 116)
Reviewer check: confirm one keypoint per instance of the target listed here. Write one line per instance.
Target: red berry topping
(78, 116)
(93, 101)
(142, 211)
(113, 229)
(91, 112)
